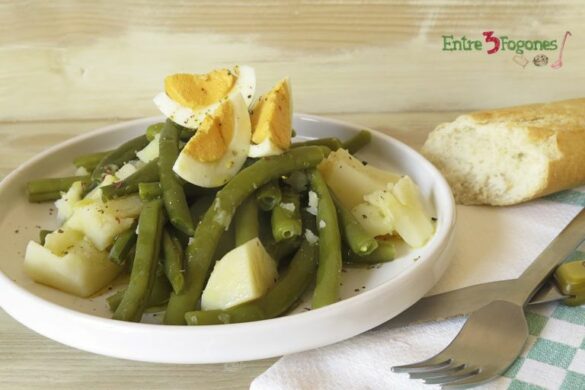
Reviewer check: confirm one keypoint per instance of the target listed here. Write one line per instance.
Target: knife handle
(570, 279)
(543, 266)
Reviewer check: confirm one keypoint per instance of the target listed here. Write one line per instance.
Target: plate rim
(435, 246)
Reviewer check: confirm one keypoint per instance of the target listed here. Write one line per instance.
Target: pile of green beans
(217, 219)
(183, 229)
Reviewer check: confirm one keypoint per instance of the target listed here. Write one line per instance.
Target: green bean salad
(209, 232)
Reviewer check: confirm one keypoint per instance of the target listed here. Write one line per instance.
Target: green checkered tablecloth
(554, 355)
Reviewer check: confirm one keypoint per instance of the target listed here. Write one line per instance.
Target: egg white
(264, 149)
(245, 85)
(217, 173)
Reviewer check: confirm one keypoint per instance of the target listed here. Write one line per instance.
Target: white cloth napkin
(491, 244)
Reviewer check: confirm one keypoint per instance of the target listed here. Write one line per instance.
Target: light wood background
(70, 66)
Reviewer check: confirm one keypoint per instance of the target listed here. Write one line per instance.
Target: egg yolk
(272, 117)
(213, 137)
(199, 90)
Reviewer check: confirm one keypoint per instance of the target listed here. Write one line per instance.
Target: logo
(525, 51)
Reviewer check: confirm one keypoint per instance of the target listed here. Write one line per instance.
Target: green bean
(173, 261)
(358, 239)
(185, 134)
(269, 195)
(193, 191)
(227, 240)
(383, 253)
(145, 174)
(153, 130)
(331, 142)
(282, 249)
(122, 245)
(117, 157)
(226, 243)
(277, 301)
(143, 271)
(358, 141)
(329, 270)
(199, 253)
(159, 295)
(246, 221)
(149, 191)
(49, 189)
(43, 234)
(286, 216)
(298, 180)
(90, 161)
(173, 194)
(44, 197)
(115, 299)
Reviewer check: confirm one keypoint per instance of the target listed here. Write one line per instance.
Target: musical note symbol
(559, 62)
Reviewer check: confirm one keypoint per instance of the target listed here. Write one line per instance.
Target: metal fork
(493, 336)
(488, 343)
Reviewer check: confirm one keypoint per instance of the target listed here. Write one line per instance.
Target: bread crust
(560, 124)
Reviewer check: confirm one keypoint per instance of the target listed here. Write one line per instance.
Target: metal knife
(568, 283)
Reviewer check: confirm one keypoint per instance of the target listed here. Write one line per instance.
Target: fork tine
(434, 363)
(447, 370)
(470, 381)
(461, 374)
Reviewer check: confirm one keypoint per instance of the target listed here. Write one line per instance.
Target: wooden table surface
(67, 67)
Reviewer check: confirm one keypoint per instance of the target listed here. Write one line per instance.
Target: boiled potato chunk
(102, 222)
(81, 269)
(150, 151)
(341, 171)
(243, 274)
(126, 170)
(374, 220)
(99, 224)
(66, 204)
(96, 193)
(401, 201)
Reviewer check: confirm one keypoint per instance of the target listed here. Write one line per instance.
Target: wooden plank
(79, 60)
(30, 361)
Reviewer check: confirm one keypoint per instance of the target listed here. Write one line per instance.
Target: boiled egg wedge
(220, 146)
(271, 119)
(189, 98)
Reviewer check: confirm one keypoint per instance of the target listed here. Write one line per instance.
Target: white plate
(371, 296)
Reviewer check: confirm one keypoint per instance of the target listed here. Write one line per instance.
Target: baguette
(511, 155)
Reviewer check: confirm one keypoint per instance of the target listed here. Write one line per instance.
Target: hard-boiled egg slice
(188, 98)
(220, 146)
(271, 119)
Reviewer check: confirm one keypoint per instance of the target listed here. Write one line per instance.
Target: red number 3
(489, 38)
